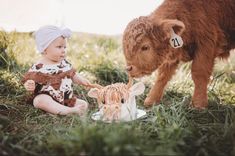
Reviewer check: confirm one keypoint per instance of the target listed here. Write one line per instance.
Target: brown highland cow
(180, 31)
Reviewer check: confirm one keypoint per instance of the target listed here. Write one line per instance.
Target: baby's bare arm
(78, 79)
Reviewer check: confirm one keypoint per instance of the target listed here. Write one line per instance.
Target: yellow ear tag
(175, 40)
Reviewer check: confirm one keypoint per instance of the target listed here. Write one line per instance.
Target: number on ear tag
(175, 40)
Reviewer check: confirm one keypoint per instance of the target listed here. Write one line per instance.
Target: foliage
(106, 73)
(7, 58)
(171, 128)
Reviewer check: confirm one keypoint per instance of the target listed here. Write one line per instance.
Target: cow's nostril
(129, 68)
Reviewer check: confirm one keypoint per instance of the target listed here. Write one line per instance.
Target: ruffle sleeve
(44, 79)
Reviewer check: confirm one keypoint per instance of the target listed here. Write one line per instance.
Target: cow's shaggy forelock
(114, 93)
(134, 31)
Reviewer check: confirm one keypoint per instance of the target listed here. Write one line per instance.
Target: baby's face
(56, 50)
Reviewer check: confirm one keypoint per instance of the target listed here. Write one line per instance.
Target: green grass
(171, 128)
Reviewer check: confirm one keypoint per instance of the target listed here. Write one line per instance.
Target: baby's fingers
(30, 87)
(31, 82)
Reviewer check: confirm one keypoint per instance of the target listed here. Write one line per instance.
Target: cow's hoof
(199, 105)
(148, 102)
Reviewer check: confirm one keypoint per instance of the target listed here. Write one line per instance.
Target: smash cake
(117, 102)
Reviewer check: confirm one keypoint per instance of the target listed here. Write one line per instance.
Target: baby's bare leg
(46, 103)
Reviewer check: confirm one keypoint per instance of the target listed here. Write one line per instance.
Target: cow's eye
(122, 100)
(145, 47)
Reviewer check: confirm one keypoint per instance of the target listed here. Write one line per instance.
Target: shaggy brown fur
(207, 29)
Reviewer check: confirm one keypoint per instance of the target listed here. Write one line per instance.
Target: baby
(50, 78)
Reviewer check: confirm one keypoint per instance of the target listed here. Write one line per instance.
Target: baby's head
(51, 41)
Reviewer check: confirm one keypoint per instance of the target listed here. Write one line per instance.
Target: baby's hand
(29, 85)
(89, 85)
(85, 82)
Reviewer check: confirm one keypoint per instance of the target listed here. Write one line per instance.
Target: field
(171, 128)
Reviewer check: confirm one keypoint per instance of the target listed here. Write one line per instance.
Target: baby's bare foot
(80, 109)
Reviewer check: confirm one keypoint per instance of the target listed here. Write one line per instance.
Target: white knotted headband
(47, 34)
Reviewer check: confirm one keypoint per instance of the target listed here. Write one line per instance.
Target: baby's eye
(122, 100)
(103, 101)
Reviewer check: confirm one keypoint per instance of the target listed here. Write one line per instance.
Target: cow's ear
(168, 25)
(93, 93)
(137, 88)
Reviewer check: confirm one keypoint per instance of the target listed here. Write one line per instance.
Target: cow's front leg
(165, 73)
(201, 71)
